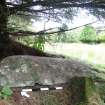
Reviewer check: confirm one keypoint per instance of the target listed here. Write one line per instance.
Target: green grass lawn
(91, 53)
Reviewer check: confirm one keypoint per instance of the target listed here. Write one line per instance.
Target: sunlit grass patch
(91, 53)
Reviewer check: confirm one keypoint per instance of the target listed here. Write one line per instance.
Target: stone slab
(27, 70)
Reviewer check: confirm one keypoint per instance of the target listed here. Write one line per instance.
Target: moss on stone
(89, 87)
(35, 76)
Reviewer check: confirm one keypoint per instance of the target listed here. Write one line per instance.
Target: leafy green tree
(88, 34)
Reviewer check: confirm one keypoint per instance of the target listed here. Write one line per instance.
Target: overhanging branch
(81, 5)
(44, 32)
(56, 5)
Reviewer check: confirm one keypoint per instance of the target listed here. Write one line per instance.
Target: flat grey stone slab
(27, 70)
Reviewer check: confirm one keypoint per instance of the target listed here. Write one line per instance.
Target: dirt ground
(55, 97)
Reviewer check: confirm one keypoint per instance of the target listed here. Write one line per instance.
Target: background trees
(88, 34)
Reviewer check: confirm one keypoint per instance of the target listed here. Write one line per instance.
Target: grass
(93, 54)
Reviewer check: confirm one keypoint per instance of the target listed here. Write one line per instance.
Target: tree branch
(82, 5)
(44, 32)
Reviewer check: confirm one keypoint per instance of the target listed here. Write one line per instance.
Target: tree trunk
(3, 22)
(4, 37)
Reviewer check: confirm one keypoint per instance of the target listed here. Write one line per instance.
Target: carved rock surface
(26, 70)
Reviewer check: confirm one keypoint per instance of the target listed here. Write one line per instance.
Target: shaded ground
(73, 94)
(40, 98)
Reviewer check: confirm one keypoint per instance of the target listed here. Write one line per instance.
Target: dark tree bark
(3, 22)
(4, 37)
